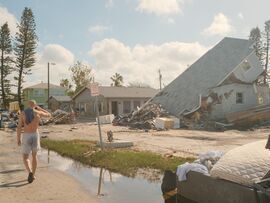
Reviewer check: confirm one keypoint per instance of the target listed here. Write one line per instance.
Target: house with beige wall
(112, 100)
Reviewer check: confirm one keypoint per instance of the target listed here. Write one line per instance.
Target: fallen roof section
(183, 94)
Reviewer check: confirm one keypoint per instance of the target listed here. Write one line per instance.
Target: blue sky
(132, 37)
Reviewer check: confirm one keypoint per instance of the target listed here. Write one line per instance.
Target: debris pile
(146, 118)
(255, 117)
(197, 120)
(61, 117)
(8, 120)
(142, 118)
(200, 120)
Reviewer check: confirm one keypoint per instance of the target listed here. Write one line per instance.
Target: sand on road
(50, 186)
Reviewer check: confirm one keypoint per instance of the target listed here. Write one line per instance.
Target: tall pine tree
(5, 64)
(262, 48)
(266, 49)
(25, 45)
(255, 35)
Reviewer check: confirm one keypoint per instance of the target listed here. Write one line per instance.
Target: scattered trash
(164, 123)
(110, 136)
(106, 119)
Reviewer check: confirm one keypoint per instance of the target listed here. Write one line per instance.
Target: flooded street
(108, 186)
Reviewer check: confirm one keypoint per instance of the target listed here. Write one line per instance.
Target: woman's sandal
(30, 177)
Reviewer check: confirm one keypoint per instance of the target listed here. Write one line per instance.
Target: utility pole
(160, 78)
(49, 82)
(98, 122)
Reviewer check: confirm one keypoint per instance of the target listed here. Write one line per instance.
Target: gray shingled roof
(183, 93)
(124, 92)
(127, 92)
(62, 98)
(43, 85)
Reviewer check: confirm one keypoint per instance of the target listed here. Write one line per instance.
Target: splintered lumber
(60, 117)
(249, 116)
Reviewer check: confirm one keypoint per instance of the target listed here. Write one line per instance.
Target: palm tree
(117, 80)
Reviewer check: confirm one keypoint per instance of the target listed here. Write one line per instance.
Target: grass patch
(122, 161)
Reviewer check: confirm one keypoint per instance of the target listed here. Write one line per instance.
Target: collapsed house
(60, 102)
(221, 82)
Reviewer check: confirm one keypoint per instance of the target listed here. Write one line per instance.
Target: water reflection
(99, 182)
(169, 187)
(102, 179)
(110, 187)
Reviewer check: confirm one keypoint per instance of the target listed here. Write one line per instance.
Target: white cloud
(109, 4)
(171, 21)
(53, 53)
(241, 16)
(57, 54)
(98, 29)
(141, 62)
(6, 16)
(160, 7)
(220, 26)
(60, 36)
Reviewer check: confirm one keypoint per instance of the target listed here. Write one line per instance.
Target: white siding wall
(228, 104)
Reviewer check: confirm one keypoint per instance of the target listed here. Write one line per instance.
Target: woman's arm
(42, 112)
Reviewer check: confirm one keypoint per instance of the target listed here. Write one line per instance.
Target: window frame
(125, 110)
(239, 99)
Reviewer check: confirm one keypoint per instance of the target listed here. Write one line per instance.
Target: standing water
(110, 187)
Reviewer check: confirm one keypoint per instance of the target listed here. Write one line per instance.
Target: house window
(245, 65)
(38, 93)
(100, 107)
(260, 99)
(136, 104)
(239, 98)
(126, 107)
(81, 107)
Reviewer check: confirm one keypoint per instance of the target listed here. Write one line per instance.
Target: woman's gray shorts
(30, 143)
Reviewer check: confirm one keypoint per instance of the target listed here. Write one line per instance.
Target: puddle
(110, 187)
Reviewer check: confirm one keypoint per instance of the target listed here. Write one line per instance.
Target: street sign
(94, 89)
